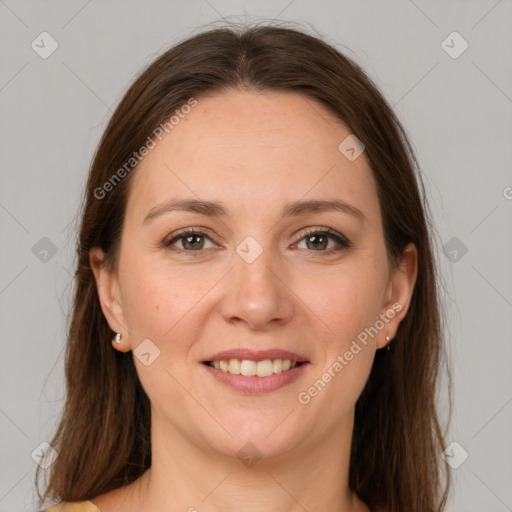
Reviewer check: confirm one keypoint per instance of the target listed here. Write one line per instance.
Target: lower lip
(256, 385)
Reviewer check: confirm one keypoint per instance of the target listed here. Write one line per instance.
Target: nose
(259, 293)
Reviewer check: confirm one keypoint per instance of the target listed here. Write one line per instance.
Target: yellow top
(73, 506)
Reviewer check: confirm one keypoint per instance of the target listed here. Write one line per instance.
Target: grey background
(456, 111)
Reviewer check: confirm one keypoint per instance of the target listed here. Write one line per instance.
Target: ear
(109, 296)
(399, 293)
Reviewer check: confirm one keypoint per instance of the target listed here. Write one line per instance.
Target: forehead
(259, 149)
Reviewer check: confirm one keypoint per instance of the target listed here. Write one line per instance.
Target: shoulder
(73, 506)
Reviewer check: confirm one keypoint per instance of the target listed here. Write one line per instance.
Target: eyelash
(343, 242)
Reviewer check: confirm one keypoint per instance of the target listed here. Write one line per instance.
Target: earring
(117, 338)
(387, 346)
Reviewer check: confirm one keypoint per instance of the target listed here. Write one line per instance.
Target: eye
(190, 240)
(317, 239)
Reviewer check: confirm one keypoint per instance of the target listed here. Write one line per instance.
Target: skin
(254, 152)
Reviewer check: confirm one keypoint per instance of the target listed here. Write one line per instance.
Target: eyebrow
(217, 208)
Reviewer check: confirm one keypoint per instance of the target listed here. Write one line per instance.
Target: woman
(256, 322)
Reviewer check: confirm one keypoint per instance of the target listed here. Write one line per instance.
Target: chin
(255, 440)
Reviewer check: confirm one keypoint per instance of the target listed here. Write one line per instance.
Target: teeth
(264, 368)
(234, 366)
(249, 368)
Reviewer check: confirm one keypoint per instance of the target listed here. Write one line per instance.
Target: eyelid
(198, 230)
(324, 229)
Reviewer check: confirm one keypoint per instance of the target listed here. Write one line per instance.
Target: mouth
(254, 372)
(251, 368)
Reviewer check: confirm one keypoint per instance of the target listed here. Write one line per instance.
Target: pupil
(317, 236)
(189, 238)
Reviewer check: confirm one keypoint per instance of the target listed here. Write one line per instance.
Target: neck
(184, 476)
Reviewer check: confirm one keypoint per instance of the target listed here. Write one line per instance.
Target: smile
(249, 368)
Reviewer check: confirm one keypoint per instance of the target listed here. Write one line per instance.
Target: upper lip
(256, 355)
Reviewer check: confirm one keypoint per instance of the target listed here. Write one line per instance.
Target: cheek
(346, 305)
(163, 302)
(345, 302)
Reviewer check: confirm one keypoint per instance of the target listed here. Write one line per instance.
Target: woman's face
(260, 282)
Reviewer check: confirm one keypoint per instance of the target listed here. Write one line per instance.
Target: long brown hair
(103, 438)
